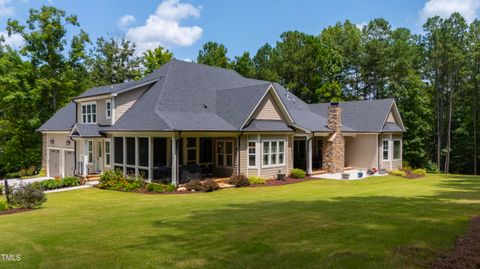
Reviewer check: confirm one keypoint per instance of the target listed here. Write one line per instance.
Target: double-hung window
(108, 108)
(397, 149)
(252, 154)
(89, 112)
(107, 153)
(273, 153)
(90, 151)
(386, 150)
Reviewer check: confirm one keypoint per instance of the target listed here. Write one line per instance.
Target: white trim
(86, 112)
(105, 141)
(278, 100)
(136, 86)
(248, 154)
(108, 102)
(277, 153)
(113, 110)
(90, 160)
(260, 158)
(388, 153)
(393, 149)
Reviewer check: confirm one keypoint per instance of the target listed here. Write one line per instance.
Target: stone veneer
(334, 145)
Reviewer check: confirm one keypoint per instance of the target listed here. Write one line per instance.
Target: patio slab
(353, 175)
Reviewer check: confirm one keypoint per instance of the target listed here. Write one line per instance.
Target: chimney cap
(334, 103)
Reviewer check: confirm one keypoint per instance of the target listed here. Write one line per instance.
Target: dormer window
(108, 108)
(89, 112)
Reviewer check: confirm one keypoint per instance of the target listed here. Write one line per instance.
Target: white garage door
(54, 162)
(69, 164)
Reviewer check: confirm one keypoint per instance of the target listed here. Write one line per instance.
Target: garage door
(69, 163)
(54, 163)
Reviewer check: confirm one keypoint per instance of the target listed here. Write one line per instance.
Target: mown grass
(381, 222)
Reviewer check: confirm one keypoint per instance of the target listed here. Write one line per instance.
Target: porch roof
(86, 130)
(267, 126)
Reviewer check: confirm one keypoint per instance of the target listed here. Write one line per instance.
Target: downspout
(238, 153)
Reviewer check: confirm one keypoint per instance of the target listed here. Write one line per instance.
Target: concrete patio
(353, 175)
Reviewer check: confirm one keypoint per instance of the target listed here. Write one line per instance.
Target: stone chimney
(334, 146)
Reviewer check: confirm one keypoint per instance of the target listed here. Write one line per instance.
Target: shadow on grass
(344, 232)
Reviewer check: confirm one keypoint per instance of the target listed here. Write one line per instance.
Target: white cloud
(15, 41)
(443, 8)
(361, 25)
(163, 27)
(188, 60)
(5, 8)
(125, 21)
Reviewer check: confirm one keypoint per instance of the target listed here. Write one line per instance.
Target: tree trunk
(449, 131)
(475, 132)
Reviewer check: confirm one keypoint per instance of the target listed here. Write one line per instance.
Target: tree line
(433, 76)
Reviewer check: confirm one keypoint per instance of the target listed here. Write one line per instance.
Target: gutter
(238, 153)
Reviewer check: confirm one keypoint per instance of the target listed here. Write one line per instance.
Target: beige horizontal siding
(124, 101)
(268, 109)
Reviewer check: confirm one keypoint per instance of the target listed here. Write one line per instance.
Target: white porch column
(309, 155)
(85, 165)
(174, 161)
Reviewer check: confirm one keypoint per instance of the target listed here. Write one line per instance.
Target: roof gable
(62, 120)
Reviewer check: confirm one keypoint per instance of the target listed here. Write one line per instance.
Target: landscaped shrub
(398, 173)
(297, 173)
(53, 184)
(420, 172)
(27, 172)
(12, 175)
(27, 196)
(156, 187)
(256, 180)
(239, 181)
(194, 185)
(42, 172)
(210, 185)
(1, 189)
(3, 205)
(111, 179)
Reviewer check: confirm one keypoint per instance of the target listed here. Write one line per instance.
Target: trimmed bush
(110, 179)
(3, 205)
(398, 173)
(297, 173)
(210, 185)
(53, 184)
(155, 187)
(1, 189)
(256, 180)
(27, 196)
(239, 181)
(194, 185)
(420, 172)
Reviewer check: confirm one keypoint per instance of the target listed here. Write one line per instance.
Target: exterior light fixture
(52, 141)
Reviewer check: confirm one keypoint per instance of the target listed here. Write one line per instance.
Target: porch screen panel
(205, 150)
(118, 141)
(130, 150)
(143, 151)
(159, 151)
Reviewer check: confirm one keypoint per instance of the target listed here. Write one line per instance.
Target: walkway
(89, 184)
(25, 181)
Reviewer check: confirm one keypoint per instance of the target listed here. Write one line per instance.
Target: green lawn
(386, 222)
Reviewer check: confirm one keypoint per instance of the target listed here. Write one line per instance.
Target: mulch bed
(14, 210)
(275, 182)
(466, 253)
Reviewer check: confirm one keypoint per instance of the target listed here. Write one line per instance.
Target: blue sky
(183, 26)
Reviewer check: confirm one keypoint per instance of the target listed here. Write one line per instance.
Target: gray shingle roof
(87, 130)
(194, 97)
(391, 127)
(62, 120)
(360, 116)
(267, 126)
